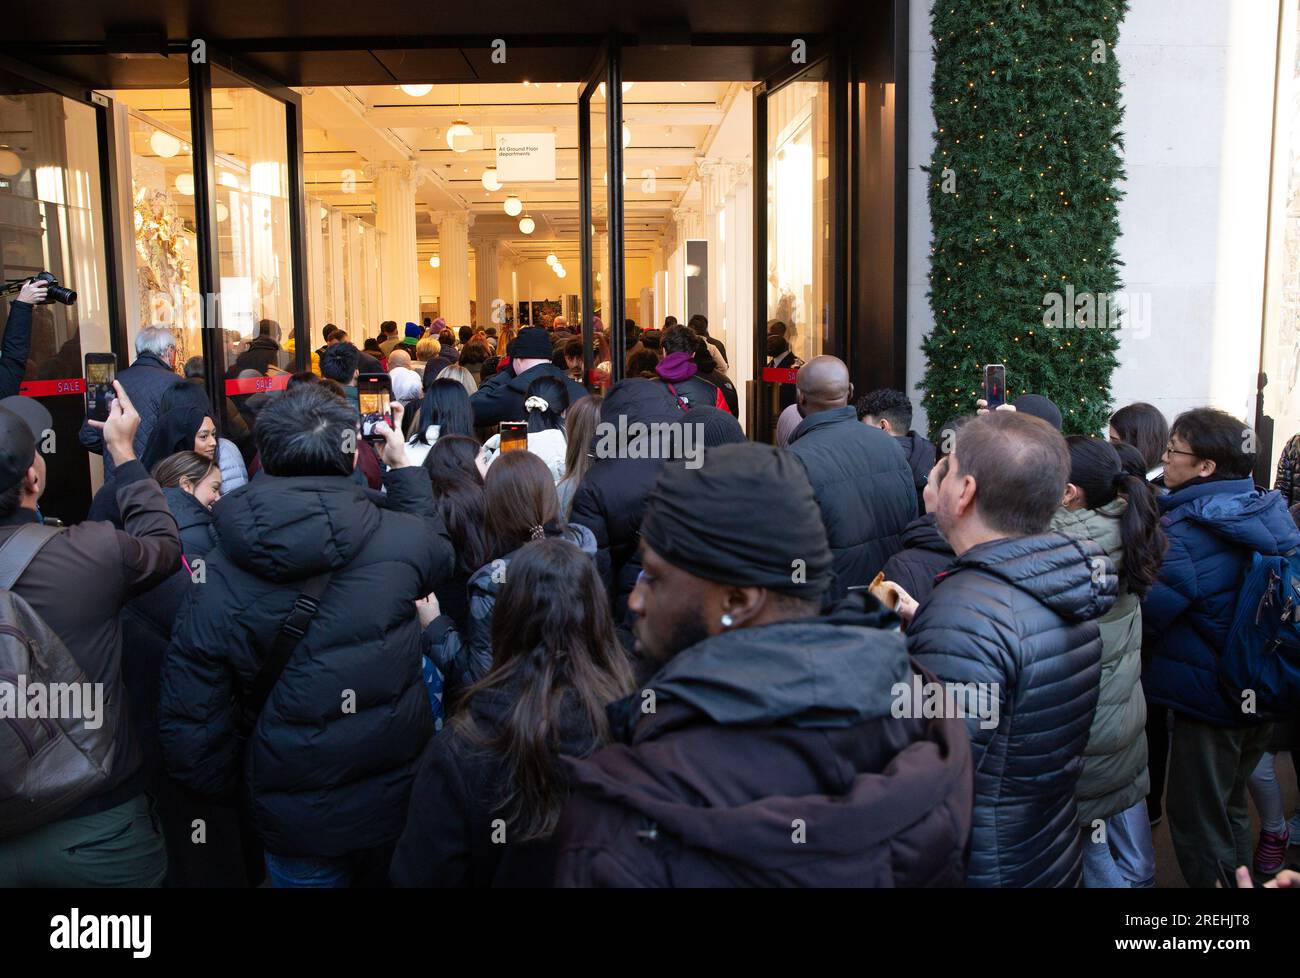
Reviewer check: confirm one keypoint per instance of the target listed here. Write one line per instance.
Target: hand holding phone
(101, 371)
(374, 398)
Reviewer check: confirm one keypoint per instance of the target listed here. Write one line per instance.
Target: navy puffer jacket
(864, 488)
(1020, 615)
(328, 768)
(1214, 528)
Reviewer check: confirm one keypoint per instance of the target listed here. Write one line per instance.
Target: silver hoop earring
(727, 621)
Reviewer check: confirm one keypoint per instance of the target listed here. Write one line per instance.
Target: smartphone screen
(101, 371)
(995, 385)
(374, 393)
(514, 436)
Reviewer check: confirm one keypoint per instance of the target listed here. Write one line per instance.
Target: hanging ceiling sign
(526, 157)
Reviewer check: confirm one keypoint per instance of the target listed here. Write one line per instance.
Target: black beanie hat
(531, 343)
(720, 428)
(703, 521)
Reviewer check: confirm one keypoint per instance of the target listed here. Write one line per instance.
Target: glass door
(250, 210)
(600, 158)
(797, 224)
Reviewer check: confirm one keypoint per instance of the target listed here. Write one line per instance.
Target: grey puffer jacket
(1114, 776)
(465, 657)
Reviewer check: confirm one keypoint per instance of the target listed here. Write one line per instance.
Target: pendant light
(490, 180)
(417, 91)
(459, 130)
(527, 225)
(164, 144)
(434, 261)
(185, 184)
(514, 206)
(551, 259)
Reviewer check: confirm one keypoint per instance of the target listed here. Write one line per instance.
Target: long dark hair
(553, 391)
(1096, 469)
(553, 645)
(1145, 428)
(458, 493)
(445, 404)
(519, 493)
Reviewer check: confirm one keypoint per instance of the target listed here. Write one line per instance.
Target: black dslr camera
(55, 292)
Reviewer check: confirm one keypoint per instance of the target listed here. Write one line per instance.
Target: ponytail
(1096, 469)
(1142, 535)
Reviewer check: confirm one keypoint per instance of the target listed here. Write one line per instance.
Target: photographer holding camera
(18, 335)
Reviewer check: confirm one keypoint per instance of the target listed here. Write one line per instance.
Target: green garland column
(1023, 198)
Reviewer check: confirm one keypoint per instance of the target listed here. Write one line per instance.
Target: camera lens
(57, 293)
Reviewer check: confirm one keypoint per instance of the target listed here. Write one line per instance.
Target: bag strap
(291, 633)
(680, 405)
(20, 549)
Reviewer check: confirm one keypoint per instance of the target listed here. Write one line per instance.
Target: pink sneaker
(1270, 852)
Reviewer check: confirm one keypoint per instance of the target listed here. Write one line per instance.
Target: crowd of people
(433, 655)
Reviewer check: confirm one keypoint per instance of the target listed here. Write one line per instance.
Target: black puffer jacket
(145, 383)
(611, 499)
(328, 768)
(919, 452)
(864, 487)
(1020, 615)
(924, 556)
(773, 758)
(502, 398)
(449, 838)
(465, 657)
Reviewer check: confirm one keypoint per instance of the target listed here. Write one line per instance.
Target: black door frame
(207, 225)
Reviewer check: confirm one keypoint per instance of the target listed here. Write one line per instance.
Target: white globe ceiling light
(457, 134)
(561, 272)
(551, 259)
(627, 136)
(514, 206)
(185, 184)
(490, 180)
(223, 212)
(164, 144)
(417, 91)
(434, 261)
(527, 225)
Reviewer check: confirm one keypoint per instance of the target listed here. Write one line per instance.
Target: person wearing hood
(521, 505)
(1011, 629)
(326, 763)
(263, 351)
(1216, 521)
(612, 496)
(781, 748)
(495, 772)
(858, 473)
(501, 398)
(891, 412)
(1117, 511)
(680, 374)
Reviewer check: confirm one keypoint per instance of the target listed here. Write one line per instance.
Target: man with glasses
(1215, 520)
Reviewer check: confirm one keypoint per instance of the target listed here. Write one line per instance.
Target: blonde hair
(459, 374)
(427, 348)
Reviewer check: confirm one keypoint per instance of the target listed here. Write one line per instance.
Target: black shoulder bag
(291, 632)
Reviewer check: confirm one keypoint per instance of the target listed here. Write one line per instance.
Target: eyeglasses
(1170, 450)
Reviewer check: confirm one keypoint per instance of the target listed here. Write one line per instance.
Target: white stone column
(395, 185)
(486, 254)
(453, 248)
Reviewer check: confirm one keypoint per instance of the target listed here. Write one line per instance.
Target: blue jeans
(1127, 858)
(308, 871)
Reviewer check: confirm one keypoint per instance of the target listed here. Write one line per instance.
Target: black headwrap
(747, 517)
